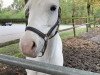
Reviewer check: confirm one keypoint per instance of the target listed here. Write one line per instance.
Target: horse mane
(28, 5)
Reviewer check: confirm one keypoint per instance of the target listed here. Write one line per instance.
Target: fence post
(73, 23)
(88, 11)
(73, 15)
(87, 27)
(94, 18)
(94, 21)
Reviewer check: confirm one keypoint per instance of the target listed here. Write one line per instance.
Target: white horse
(41, 41)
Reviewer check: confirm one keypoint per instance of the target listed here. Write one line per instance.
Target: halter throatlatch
(47, 36)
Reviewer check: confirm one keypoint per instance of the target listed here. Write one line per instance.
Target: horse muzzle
(28, 48)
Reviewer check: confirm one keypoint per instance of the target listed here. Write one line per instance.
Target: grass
(68, 34)
(13, 49)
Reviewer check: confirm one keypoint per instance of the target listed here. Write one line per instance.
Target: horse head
(43, 21)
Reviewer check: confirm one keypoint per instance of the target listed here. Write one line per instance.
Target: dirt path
(83, 52)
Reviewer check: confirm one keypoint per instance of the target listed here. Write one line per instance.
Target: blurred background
(78, 9)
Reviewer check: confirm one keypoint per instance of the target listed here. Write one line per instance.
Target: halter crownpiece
(47, 36)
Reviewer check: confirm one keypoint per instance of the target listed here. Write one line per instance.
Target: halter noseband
(47, 36)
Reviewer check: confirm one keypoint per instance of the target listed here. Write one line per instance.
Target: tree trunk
(88, 12)
(26, 13)
(25, 1)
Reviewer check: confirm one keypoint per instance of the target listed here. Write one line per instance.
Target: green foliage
(9, 50)
(80, 9)
(12, 50)
(5, 14)
(68, 34)
(18, 5)
(12, 14)
(19, 14)
(13, 11)
(67, 7)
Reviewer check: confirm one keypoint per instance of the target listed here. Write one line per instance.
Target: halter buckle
(46, 37)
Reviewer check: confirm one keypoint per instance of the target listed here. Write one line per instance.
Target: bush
(12, 14)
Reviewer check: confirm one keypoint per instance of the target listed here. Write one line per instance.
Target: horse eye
(53, 7)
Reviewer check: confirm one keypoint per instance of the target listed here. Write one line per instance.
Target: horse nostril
(34, 45)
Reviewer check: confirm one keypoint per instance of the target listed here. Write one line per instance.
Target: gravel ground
(11, 70)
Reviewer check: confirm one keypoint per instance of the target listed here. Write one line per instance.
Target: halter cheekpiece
(47, 36)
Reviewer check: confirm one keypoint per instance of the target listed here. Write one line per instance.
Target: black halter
(47, 36)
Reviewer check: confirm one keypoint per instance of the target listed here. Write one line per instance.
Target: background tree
(18, 5)
(1, 3)
(13, 11)
(80, 6)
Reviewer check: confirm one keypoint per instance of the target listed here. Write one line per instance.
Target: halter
(47, 36)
